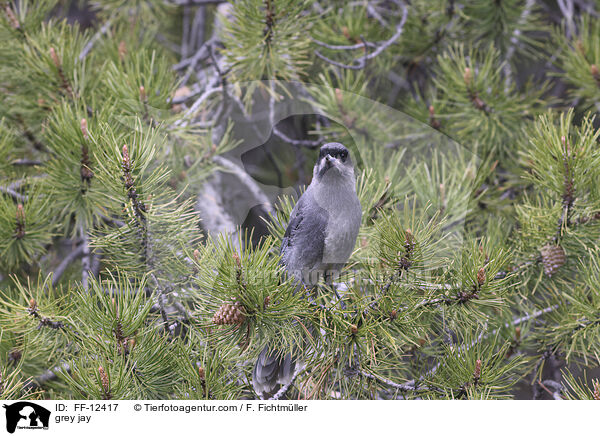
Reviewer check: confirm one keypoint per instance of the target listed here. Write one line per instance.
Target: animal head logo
(26, 415)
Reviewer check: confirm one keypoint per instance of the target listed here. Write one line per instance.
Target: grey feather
(304, 239)
(271, 370)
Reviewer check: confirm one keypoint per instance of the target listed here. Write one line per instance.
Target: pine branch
(283, 390)
(26, 162)
(88, 47)
(514, 41)
(85, 259)
(65, 84)
(567, 9)
(14, 194)
(248, 181)
(199, 102)
(195, 2)
(44, 321)
(29, 135)
(362, 62)
(409, 386)
(202, 53)
(558, 388)
(68, 260)
(42, 379)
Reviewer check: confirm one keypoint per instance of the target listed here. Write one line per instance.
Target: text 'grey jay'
(318, 241)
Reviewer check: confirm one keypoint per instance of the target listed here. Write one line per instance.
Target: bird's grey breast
(344, 217)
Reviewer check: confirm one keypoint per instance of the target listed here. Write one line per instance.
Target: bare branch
(299, 142)
(281, 392)
(344, 47)
(248, 181)
(44, 378)
(409, 386)
(26, 162)
(88, 47)
(70, 258)
(567, 9)
(514, 41)
(85, 260)
(14, 194)
(547, 385)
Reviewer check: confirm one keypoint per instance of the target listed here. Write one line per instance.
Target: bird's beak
(330, 161)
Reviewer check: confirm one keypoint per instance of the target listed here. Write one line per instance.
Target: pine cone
(105, 383)
(553, 257)
(229, 314)
(481, 276)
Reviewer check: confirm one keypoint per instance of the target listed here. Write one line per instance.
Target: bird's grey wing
(294, 223)
(304, 239)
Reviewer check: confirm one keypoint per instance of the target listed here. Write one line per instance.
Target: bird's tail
(271, 371)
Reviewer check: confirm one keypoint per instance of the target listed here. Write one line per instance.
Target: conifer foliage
(151, 152)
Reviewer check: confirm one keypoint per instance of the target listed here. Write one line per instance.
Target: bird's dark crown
(334, 149)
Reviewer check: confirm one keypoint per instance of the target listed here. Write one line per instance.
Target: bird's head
(334, 163)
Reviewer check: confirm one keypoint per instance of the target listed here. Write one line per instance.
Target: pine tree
(151, 152)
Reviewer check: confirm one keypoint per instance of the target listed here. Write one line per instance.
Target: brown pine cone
(481, 276)
(229, 314)
(553, 257)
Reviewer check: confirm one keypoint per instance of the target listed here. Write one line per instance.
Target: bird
(319, 239)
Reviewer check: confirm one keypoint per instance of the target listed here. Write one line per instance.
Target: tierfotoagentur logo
(25, 415)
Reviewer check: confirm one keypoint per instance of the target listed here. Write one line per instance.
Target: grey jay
(318, 241)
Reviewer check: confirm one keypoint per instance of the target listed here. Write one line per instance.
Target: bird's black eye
(344, 155)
